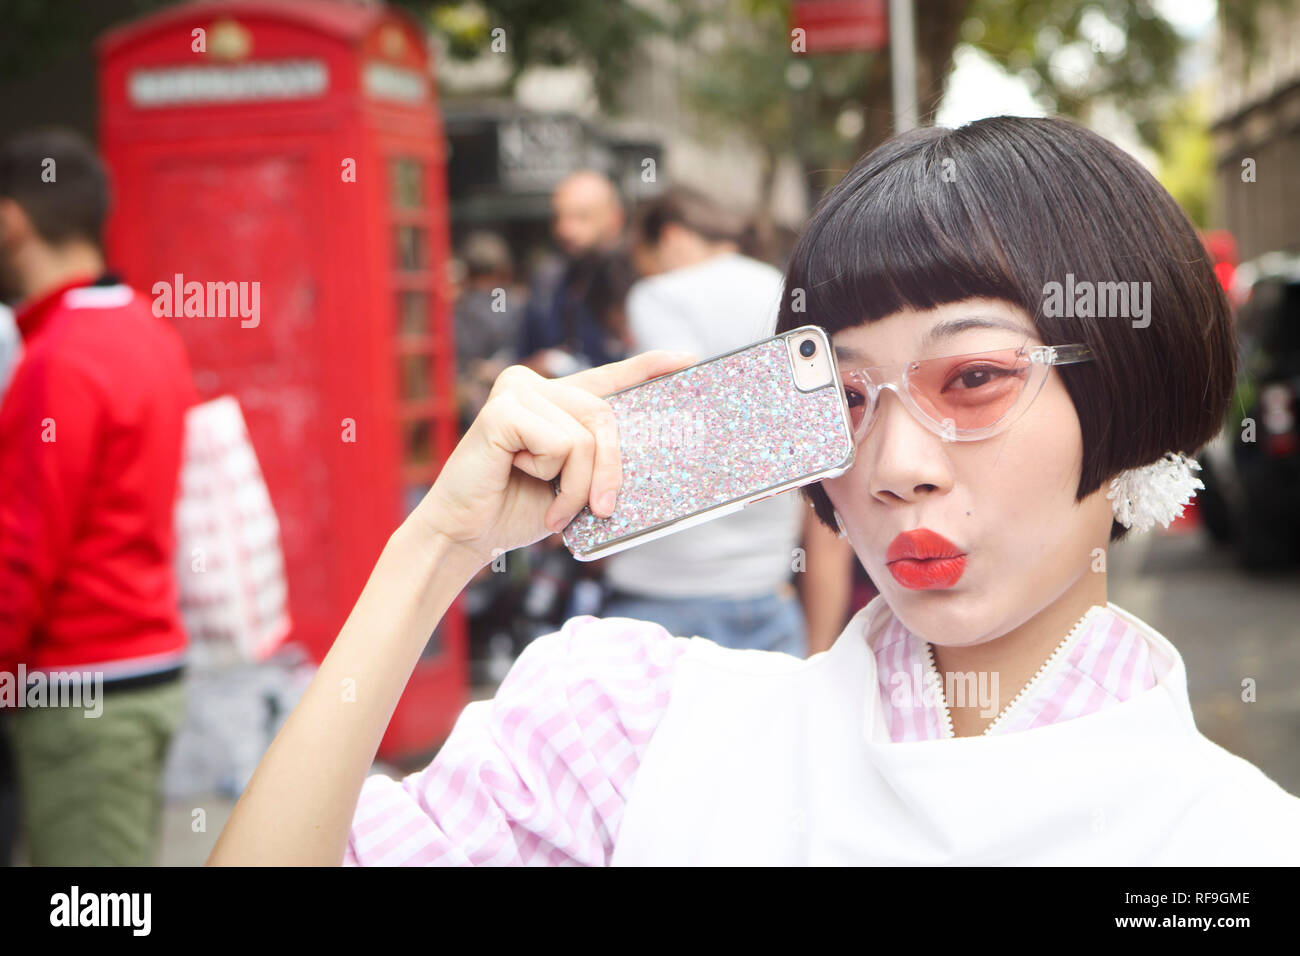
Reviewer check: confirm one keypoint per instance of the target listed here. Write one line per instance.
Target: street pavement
(1230, 626)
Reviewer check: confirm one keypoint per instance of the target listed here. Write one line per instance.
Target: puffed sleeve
(539, 774)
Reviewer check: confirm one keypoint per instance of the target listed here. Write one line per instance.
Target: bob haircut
(1000, 208)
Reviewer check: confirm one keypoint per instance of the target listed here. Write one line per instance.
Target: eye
(856, 399)
(977, 376)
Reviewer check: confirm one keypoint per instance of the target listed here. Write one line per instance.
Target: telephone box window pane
(416, 372)
(419, 441)
(407, 184)
(412, 246)
(412, 497)
(413, 313)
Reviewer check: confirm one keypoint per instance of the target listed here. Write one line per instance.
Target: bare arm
(298, 807)
(493, 494)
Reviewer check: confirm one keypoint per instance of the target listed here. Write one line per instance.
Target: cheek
(1035, 476)
(1051, 447)
(840, 491)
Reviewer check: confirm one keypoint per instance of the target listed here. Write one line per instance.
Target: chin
(951, 617)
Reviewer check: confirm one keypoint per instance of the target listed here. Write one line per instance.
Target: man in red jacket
(91, 640)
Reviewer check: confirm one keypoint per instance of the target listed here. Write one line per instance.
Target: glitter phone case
(707, 440)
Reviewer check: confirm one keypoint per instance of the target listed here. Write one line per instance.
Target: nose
(907, 461)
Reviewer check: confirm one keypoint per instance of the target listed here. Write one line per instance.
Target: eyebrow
(939, 332)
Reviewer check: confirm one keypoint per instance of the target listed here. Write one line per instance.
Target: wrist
(436, 550)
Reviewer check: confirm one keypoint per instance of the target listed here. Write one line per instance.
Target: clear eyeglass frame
(1040, 358)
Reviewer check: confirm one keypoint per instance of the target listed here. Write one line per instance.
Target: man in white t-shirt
(732, 579)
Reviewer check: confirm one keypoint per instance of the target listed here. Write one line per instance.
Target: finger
(575, 473)
(597, 416)
(606, 379)
(513, 378)
(538, 447)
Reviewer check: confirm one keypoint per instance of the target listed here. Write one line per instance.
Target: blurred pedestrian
(607, 278)
(561, 331)
(575, 587)
(575, 318)
(90, 447)
(730, 580)
(487, 315)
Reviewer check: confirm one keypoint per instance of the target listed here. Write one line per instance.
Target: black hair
(599, 280)
(486, 254)
(1000, 208)
(57, 179)
(693, 210)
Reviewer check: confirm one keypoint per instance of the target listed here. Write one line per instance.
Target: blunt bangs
(898, 237)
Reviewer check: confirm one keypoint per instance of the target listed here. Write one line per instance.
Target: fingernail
(606, 503)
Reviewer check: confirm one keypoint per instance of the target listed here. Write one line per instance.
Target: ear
(672, 233)
(15, 224)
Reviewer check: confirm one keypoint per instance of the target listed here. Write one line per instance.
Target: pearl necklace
(1034, 681)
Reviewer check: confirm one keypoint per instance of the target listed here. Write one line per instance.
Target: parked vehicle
(1252, 470)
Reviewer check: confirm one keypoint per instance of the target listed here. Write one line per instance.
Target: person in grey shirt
(487, 315)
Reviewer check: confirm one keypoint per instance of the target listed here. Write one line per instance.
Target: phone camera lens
(807, 348)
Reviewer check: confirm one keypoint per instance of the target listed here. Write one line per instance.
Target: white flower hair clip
(1156, 492)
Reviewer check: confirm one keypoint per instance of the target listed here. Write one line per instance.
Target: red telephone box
(288, 157)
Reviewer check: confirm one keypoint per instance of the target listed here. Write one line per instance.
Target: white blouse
(613, 742)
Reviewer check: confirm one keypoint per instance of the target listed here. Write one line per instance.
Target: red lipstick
(925, 560)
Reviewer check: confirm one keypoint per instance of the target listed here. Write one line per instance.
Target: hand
(494, 492)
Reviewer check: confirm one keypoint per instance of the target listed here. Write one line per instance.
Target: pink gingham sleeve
(539, 774)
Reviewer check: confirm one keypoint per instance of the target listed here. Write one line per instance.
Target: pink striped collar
(1105, 660)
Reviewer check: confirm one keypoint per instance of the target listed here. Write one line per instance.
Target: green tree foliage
(34, 34)
(601, 35)
(1071, 55)
(744, 79)
(1186, 161)
(1075, 55)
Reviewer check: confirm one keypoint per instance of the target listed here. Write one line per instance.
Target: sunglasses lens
(860, 414)
(970, 391)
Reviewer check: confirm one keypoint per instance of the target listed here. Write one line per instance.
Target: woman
(991, 474)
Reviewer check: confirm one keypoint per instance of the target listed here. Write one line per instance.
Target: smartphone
(709, 439)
